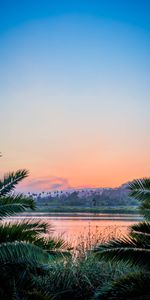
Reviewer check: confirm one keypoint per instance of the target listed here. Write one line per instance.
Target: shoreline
(80, 216)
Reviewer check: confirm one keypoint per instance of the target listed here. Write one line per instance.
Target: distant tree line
(92, 198)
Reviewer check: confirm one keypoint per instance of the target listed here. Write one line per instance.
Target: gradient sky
(75, 91)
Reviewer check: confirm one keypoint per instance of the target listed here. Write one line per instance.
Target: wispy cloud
(44, 184)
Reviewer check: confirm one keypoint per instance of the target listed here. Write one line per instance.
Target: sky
(75, 92)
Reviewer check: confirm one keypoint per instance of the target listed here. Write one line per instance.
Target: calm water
(74, 227)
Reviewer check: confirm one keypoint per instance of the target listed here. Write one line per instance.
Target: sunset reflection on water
(84, 227)
(74, 230)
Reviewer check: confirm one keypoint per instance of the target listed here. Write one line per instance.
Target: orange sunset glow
(75, 99)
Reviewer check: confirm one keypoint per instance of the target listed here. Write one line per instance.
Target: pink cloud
(43, 184)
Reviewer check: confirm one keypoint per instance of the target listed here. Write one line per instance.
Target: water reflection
(75, 227)
(106, 229)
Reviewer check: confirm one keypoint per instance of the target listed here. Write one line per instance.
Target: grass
(65, 209)
(81, 276)
(88, 240)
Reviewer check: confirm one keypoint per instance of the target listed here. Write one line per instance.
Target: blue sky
(75, 90)
(134, 12)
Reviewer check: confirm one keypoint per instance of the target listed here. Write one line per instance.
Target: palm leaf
(57, 247)
(59, 283)
(36, 225)
(10, 180)
(142, 227)
(22, 253)
(12, 209)
(28, 202)
(140, 189)
(22, 231)
(11, 205)
(127, 250)
(30, 231)
(134, 286)
(141, 233)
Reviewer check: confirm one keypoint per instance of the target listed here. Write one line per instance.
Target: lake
(76, 227)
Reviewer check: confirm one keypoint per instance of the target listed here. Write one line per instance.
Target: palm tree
(140, 190)
(133, 250)
(23, 248)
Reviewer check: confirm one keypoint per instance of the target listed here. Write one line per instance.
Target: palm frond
(30, 231)
(15, 204)
(145, 209)
(140, 189)
(59, 283)
(11, 209)
(128, 250)
(37, 225)
(142, 227)
(28, 202)
(55, 247)
(22, 253)
(141, 233)
(134, 286)
(26, 230)
(10, 180)
(146, 213)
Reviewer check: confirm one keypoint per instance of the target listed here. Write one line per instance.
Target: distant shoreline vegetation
(100, 200)
(77, 209)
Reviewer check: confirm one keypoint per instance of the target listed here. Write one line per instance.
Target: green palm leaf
(141, 233)
(22, 231)
(9, 210)
(128, 250)
(50, 243)
(22, 253)
(11, 205)
(55, 246)
(28, 202)
(134, 286)
(142, 227)
(24, 250)
(37, 225)
(133, 250)
(30, 231)
(140, 189)
(10, 180)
